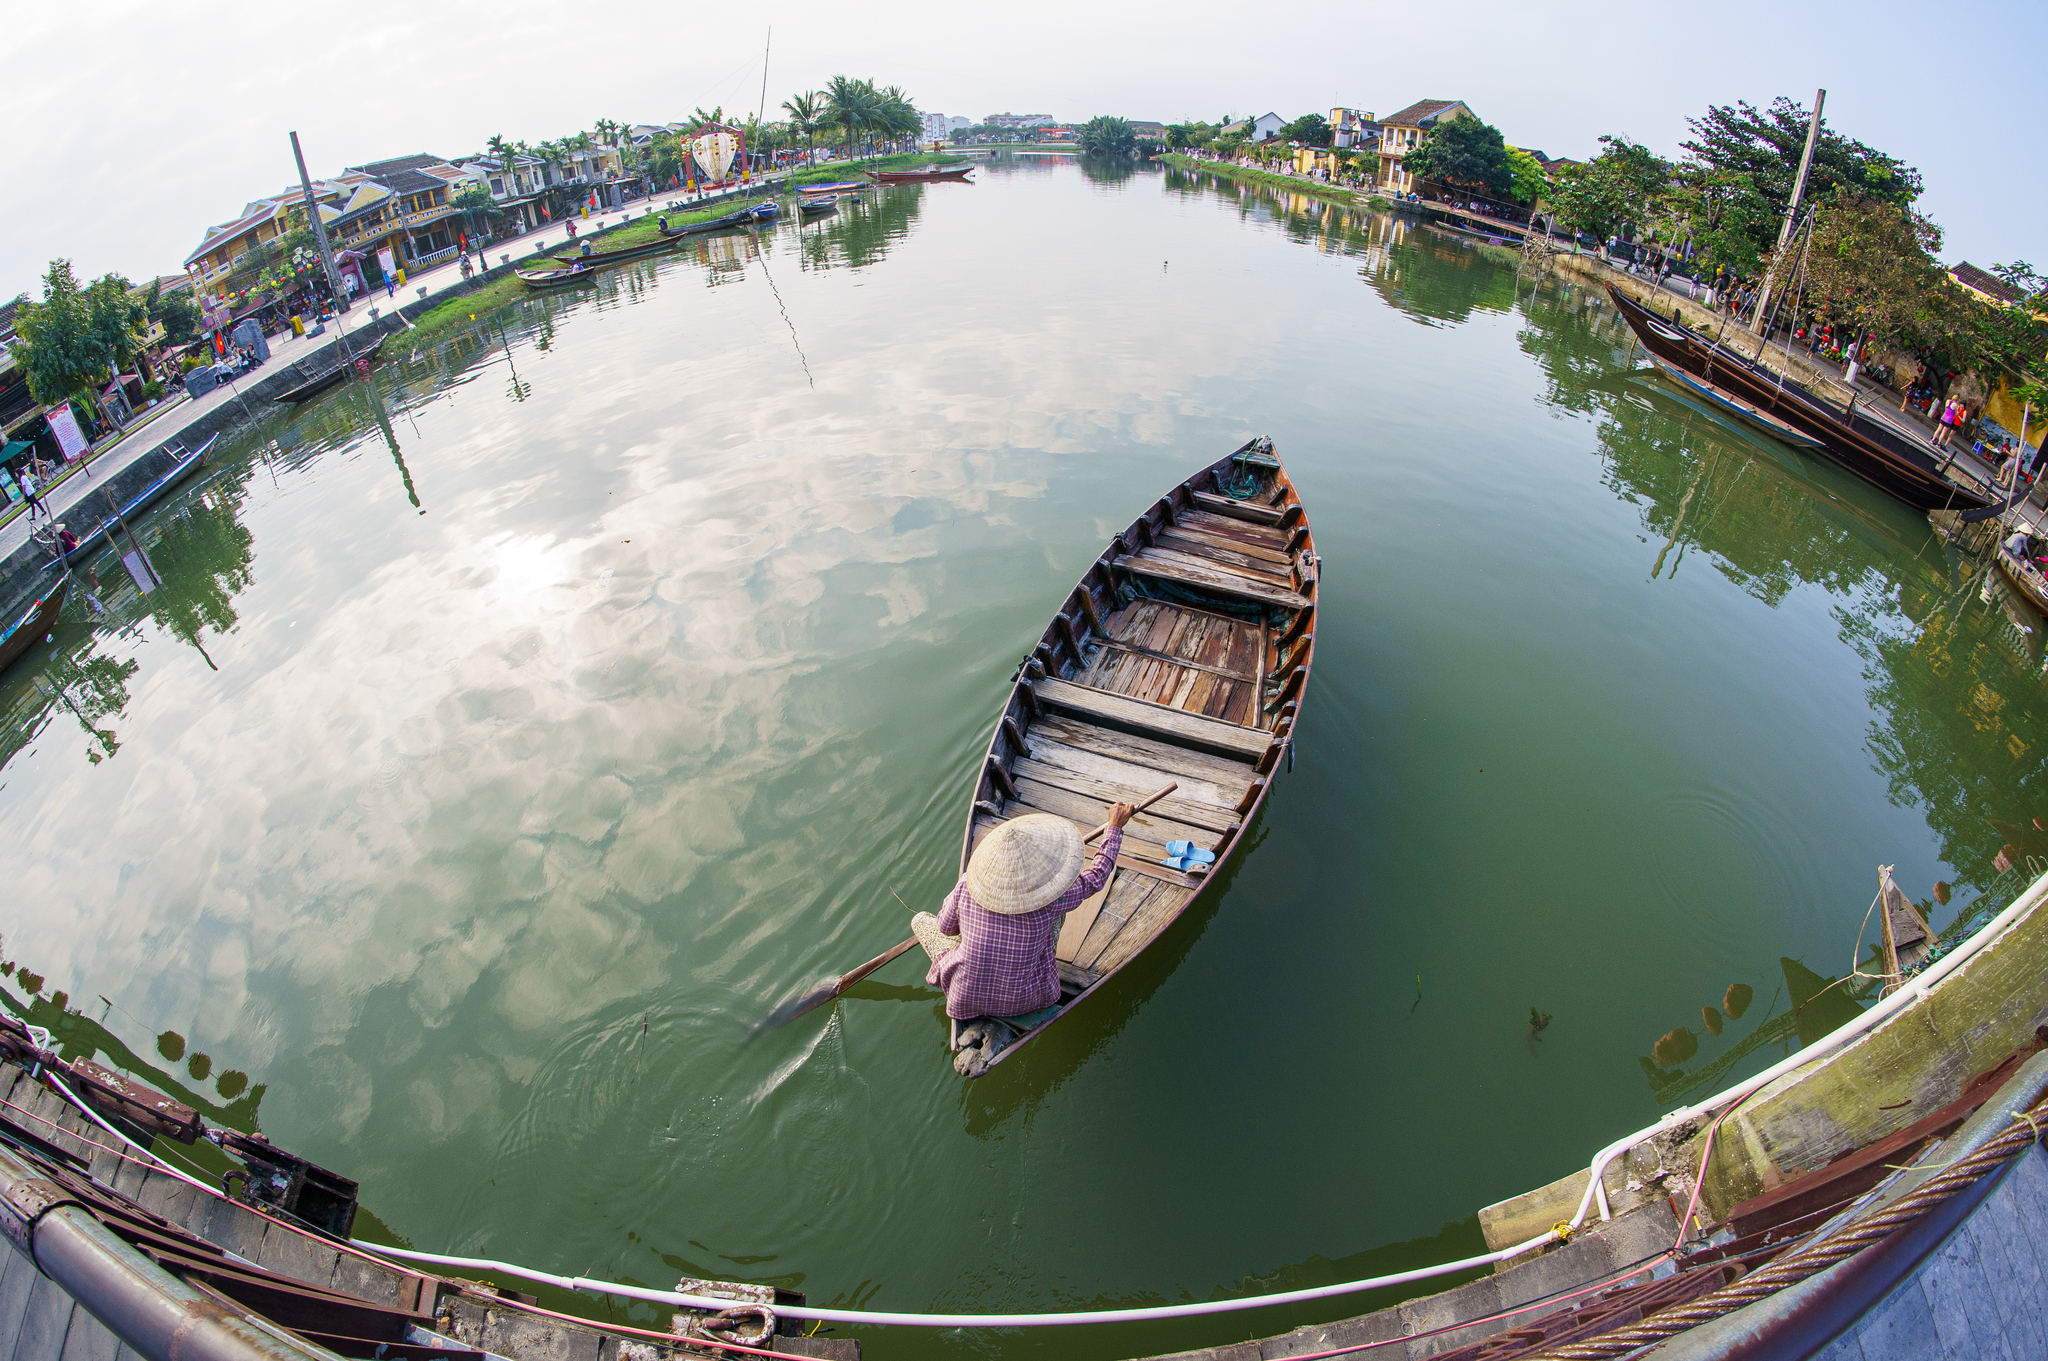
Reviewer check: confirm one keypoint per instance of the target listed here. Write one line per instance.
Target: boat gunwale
(142, 501)
(1260, 773)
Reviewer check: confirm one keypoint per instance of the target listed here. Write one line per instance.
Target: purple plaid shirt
(1005, 965)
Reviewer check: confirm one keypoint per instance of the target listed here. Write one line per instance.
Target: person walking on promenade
(28, 494)
(1948, 424)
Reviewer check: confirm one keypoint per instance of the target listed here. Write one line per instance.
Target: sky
(138, 125)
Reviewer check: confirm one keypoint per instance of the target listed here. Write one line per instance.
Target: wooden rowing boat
(1182, 655)
(25, 632)
(2026, 578)
(186, 465)
(1861, 443)
(1727, 404)
(835, 187)
(818, 206)
(746, 217)
(921, 176)
(340, 373)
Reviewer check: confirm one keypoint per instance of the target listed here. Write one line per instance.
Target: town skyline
(472, 72)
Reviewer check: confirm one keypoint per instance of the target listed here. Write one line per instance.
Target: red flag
(545, 213)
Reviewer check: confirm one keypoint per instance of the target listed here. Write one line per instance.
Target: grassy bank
(1329, 193)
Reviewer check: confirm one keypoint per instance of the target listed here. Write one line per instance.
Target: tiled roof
(380, 169)
(1975, 279)
(1417, 113)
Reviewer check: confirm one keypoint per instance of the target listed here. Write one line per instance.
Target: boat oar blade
(830, 988)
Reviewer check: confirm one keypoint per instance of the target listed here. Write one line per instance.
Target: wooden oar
(825, 992)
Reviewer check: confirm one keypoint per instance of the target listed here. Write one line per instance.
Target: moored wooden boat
(1858, 442)
(746, 217)
(818, 206)
(935, 172)
(186, 465)
(2026, 577)
(835, 187)
(1727, 404)
(1182, 655)
(33, 626)
(340, 373)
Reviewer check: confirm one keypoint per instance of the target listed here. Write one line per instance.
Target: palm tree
(898, 117)
(1106, 136)
(852, 106)
(806, 115)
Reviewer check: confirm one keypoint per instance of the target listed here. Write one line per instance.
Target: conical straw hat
(1025, 864)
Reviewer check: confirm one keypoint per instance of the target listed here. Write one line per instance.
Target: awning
(15, 449)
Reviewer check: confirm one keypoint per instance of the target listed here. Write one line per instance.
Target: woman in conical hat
(992, 943)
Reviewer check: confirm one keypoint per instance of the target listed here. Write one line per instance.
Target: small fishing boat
(25, 632)
(936, 172)
(1862, 443)
(570, 277)
(2025, 576)
(835, 187)
(1183, 655)
(751, 215)
(1727, 404)
(340, 373)
(818, 206)
(186, 465)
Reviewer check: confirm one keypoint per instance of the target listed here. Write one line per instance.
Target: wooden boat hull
(1183, 654)
(819, 207)
(1882, 459)
(334, 377)
(1734, 408)
(33, 626)
(149, 496)
(919, 176)
(745, 217)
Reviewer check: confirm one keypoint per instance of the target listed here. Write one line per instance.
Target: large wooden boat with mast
(1861, 442)
(1182, 656)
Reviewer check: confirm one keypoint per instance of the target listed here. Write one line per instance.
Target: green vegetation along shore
(1331, 193)
(639, 231)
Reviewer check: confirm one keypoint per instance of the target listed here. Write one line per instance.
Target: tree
(175, 312)
(76, 338)
(1871, 263)
(1106, 135)
(851, 106)
(1311, 129)
(1529, 180)
(806, 118)
(1623, 184)
(1466, 154)
(1736, 179)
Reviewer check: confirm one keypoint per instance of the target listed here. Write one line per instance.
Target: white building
(936, 126)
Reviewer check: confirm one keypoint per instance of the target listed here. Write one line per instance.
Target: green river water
(507, 741)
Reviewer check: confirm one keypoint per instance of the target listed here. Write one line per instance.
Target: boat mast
(334, 285)
(1763, 297)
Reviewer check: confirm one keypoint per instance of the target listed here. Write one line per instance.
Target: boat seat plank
(1112, 773)
(1186, 532)
(1211, 577)
(1281, 573)
(1157, 721)
(1172, 808)
(1167, 553)
(1088, 813)
(1229, 778)
(1259, 536)
(1074, 979)
(1237, 510)
(1140, 927)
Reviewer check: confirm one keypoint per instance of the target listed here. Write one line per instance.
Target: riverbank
(1329, 193)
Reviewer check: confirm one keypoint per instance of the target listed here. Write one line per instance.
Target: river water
(508, 739)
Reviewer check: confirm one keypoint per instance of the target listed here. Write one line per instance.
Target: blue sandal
(1186, 856)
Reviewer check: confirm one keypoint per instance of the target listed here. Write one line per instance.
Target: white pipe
(94, 1116)
(1914, 991)
(1161, 1311)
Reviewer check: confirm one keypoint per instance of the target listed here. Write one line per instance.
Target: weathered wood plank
(1165, 567)
(1089, 813)
(1237, 510)
(1279, 572)
(1133, 650)
(1198, 562)
(1172, 808)
(1073, 976)
(1142, 927)
(1074, 926)
(1115, 912)
(1228, 778)
(45, 1319)
(1188, 532)
(1170, 724)
(1265, 536)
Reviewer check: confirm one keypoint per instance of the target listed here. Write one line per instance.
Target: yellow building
(1401, 133)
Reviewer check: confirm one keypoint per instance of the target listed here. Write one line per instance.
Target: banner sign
(64, 425)
(386, 263)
